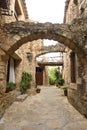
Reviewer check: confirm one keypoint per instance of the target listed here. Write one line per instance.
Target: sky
(46, 10)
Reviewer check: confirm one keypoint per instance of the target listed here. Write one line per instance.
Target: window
(4, 4)
(73, 68)
(17, 8)
(75, 2)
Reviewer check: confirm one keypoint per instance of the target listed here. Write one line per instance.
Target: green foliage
(23, 86)
(52, 75)
(64, 87)
(51, 81)
(60, 81)
(10, 86)
(55, 76)
(25, 80)
(26, 76)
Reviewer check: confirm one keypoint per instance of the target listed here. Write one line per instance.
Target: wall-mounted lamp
(29, 56)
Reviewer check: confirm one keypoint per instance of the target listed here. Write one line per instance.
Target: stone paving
(48, 110)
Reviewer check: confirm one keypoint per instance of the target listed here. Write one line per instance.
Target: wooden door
(39, 76)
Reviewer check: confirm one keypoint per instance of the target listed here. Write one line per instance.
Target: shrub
(26, 76)
(10, 86)
(23, 86)
(51, 81)
(25, 81)
(52, 75)
(64, 87)
(60, 81)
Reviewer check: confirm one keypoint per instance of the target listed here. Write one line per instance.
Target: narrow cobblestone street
(48, 110)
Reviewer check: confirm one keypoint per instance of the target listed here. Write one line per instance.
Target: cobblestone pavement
(48, 110)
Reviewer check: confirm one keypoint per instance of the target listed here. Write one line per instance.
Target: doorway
(39, 76)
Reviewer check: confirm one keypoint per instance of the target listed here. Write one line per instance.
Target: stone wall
(66, 68)
(77, 92)
(25, 64)
(78, 101)
(45, 76)
(75, 9)
(28, 53)
(65, 34)
(6, 99)
(71, 11)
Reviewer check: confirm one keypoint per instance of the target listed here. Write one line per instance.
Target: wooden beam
(50, 63)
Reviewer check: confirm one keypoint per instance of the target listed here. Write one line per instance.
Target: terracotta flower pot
(38, 90)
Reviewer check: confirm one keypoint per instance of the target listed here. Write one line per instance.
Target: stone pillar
(45, 76)
(3, 72)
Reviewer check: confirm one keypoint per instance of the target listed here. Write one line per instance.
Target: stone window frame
(4, 4)
(72, 67)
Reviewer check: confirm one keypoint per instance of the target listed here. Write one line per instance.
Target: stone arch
(15, 34)
(18, 33)
(50, 49)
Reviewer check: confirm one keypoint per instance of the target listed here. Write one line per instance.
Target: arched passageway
(15, 34)
(48, 61)
(52, 48)
(74, 36)
(18, 33)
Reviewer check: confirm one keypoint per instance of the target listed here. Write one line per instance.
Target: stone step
(22, 97)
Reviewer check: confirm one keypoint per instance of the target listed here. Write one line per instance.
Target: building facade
(13, 63)
(75, 74)
(24, 58)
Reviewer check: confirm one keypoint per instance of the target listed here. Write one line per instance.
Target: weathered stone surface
(75, 15)
(6, 100)
(73, 36)
(22, 97)
(48, 110)
(53, 48)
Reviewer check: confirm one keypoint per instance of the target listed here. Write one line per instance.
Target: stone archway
(14, 34)
(18, 33)
(53, 48)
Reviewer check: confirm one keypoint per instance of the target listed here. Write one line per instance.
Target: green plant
(51, 81)
(23, 86)
(25, 81)
(60, 81)
(52, 75)
(26, 76)
(64, 87)
(10, 86)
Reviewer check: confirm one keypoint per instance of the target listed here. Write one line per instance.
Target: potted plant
(65, 90)
(10, 86)
(38, 90)
(25, 81)
(60, 81)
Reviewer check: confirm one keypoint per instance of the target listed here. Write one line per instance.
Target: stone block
(22, 97)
